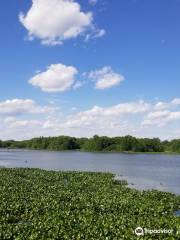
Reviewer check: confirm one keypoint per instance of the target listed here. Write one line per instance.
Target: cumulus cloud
(105, 78)
(106, 117)
(31, 123)
(18, 128)
(139, 117)
(21, 119)
(53, 21)
(24, 118)
(163, 113)
(176, 102)
(56, 78)
(25, 124)
(165, 105)
(21, 106)
(161, 118)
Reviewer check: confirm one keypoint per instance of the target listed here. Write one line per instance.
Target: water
(142, 171)
(177, 213)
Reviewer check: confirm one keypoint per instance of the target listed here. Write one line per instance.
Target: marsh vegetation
(38, 204)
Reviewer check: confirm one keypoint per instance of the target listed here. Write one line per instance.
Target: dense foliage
(121, 144)
(38, 205)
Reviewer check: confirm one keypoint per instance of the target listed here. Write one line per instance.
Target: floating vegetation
(39, 205)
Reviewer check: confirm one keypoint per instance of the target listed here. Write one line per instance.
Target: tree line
(96, 143)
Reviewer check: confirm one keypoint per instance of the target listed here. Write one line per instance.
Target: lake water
(142, 171)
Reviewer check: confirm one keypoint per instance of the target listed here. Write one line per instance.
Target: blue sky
(121, 62)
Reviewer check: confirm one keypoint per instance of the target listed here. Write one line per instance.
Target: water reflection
(177, 213)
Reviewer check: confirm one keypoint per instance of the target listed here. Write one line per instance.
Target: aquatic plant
(38, 205)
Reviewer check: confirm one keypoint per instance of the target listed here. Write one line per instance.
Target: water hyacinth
(38, 204)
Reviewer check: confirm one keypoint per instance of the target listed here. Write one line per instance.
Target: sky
(80, 68)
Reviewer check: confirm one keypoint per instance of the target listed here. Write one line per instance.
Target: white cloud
(138, 118)
(105, 78)
(176, 101)
(54, 21)
(96, 33)
(18, 128)
(161, 105)
(31, 123)
(161, 118)
(165, 105)
(21, 106)
(78, 84)
(25, 124)
(163, 113)
(98, 117)
(99, 33)
(21, 119)
(57, 78)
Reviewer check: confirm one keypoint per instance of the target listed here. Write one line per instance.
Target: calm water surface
(142, 171)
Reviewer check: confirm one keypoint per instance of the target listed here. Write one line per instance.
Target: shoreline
(84, 151)
(115, 176)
